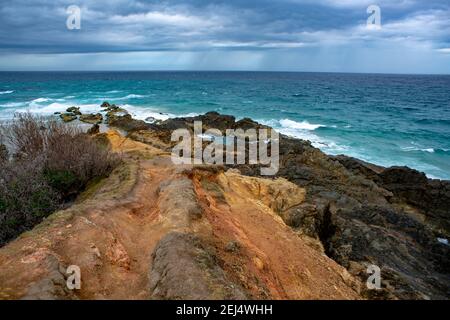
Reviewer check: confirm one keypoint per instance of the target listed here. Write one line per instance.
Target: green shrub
(25, 197)
(63, 181)
(51, 163)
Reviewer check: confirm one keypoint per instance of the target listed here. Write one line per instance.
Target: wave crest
(304, 125)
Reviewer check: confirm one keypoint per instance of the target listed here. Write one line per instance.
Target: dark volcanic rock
(360, 167)
(431, 196)
(357, 210)
(127, 123)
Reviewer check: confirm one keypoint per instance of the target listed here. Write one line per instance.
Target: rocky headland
(155, 230)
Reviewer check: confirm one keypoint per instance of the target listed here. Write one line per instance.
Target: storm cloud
(323, 35)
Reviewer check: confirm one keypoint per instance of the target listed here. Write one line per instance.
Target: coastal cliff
(157, 230)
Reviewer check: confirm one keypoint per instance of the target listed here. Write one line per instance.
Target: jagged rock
(127, 123)
(94, 129)
(74, 110)
(431, 196)
(68, 117)
(248, 123)
(360, 213)
(355, 209)
(105, 105)
(92, 118)
(357, 166)
(112, 109)
(187, 215)
(113, 113)
(154, 138)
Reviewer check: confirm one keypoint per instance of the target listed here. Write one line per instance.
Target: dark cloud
(39, 26)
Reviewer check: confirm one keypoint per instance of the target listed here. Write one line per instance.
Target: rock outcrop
(91, 118)
(360, 213)
(310, 232)
(161, 231)
(68, 117)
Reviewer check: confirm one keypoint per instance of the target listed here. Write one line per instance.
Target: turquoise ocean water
(384, 119)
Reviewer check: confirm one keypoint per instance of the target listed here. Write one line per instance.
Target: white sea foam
(127, 97)
(58, 107)
(146, 113)
(305, 131)
(130, 96)
(37, 106)
(39, 100)
(143, 113)
(6, 92)
(409, 149)
(304, 125)
(13, 104)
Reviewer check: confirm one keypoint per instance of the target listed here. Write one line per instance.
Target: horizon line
(230, 71)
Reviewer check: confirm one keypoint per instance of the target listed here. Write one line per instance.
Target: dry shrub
(51, 163)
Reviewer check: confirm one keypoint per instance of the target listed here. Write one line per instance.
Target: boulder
(94, 129)
(74, 110)
(68, 117)
(92, 118)
(127, 123)
(105, 105)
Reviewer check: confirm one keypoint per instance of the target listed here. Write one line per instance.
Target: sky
(259, 35)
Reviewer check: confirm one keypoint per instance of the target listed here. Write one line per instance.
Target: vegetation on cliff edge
(47, 165)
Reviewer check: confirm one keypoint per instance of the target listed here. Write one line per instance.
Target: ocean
(384, 119)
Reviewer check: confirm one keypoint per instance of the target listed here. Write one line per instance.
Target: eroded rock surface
(200, 277)
(310, 232)
(154, 230)
(361, 213)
